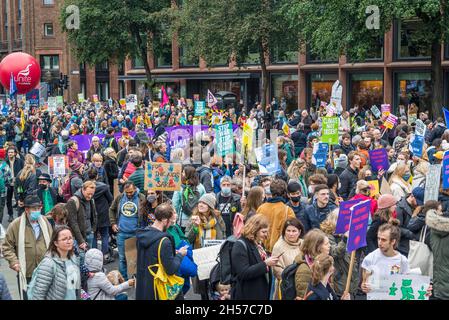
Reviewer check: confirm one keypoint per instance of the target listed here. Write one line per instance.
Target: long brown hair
(253, 201)
(320, 267)
(190, 176)
(54, 238)
(204, 216)
(312, 242)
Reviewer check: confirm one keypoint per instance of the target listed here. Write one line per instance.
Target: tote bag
(420, 255)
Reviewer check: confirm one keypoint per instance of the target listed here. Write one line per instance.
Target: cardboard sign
(131, 255)
(211, 100)
(329, 133)
(398, 287)
(378, 159)
(205, 259)
(131, 102)
(52, 104)
(358, 225)
(200, 108)
(420, 129)
(336, 96)
(344, 215)
(60, 101)
(58, 165)
(376, 112)
(224, 138)
(445, 170)
(163, 176)
(432, 183)
(37, 149)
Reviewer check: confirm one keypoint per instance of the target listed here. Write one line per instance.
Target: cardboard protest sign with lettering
(446, 170)
(416, 145)
(420, 129)
(379, 159)
(200, 108)
(58, 165)
(320, 153)
(398, 287)
(358, 225)
(329, 133)
(391, 121)
(336, 96)
(163, 176)
(224, 137)
(431, 190)
(267, 158)
(205, 258)
(376, 112)
(386, 109)
(344, 215)
(37, 149)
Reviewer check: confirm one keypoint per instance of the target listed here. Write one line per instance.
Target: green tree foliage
(118, 29)
(339, 26)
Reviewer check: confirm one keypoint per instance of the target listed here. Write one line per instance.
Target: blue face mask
(34, 215)
(226, 191)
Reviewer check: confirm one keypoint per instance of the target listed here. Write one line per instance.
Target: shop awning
(193, 76)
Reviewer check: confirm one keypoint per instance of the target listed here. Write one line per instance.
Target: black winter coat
(103, 199)
(148, 240)
(348, 180)
(416, 224)
(251, 279)
(404, 214)
(111, 169)
(54, 196)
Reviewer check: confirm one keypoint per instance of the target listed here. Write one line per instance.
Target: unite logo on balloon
(23, 77)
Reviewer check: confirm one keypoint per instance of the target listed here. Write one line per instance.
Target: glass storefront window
(186, 62)
(137, 63)
(103, 90)
(410, 42)
(366, 89)
(313, 57)
(285, 87)
(283, 56)
(413, 87)
(320, 88)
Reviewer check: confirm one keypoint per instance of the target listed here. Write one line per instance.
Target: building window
(103, 90)
(253, 56)
(121, 89)
(408, 42)
(137, 63)
(48, 29)
(121, 68)
(375, 51)
(162, 49)
(284, 56)
(320, 88)
(313, 57)
(83, 88)
(50, 62)
(164, 58)
(413, 87)
(284, 88)
(184, 61)
(49, 2)
(366, 89)
(104, 66)
(19, 10)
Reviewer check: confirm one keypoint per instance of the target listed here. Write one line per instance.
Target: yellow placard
(374, 185)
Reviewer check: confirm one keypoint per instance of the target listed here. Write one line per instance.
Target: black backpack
(287, 285)
(223, 270)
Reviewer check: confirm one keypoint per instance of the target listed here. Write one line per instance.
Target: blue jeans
(121, 237)
(89, 240)
(104, 232)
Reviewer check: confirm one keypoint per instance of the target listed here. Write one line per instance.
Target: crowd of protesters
(283, 218)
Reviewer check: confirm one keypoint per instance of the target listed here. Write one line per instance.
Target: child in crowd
(222, 292)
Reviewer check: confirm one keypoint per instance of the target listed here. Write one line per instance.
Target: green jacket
(439, 242)
(138, 177)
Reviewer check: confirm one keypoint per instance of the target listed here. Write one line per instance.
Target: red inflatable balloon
(25, 69)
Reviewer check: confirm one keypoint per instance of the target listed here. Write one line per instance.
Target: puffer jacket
(303, 275)
(439, 241)
(4, 292)
(51, 279)
(315, 215)
(99, 287)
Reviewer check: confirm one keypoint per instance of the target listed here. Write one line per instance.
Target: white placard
(131, 102)
(38, 150)
(399, 287)
(59, 168)
(420, 129)
(205, 259)
(211, 243)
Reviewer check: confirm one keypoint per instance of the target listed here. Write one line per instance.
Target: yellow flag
(286, 129)
(22, 120)
(247, 137)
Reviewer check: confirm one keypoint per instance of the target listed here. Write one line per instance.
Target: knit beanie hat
(386, 201)
(209, 199)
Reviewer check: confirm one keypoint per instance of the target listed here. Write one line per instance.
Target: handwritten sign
(432, 183)
(379, 159)
(58, 165)
(420, 129)
(344, 215)
(163, 176)
(37, 149)
(358, 225)
(398, 287)
(376, 112)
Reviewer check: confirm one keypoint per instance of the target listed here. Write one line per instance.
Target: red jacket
(364, 198)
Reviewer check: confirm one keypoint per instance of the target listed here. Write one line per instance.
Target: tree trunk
(436, 80)
(263, 65)
(143, 53)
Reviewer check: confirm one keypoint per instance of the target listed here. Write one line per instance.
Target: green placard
(329, 133)
(200, 108)
(224, 137)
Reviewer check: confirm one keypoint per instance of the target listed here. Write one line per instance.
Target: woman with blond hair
(342, 258)
(110, 167)
(250, 263)
(399, 181)
(26, 182)
(296, 171)
(419, 174)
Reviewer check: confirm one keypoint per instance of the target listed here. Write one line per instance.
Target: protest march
(187, 198)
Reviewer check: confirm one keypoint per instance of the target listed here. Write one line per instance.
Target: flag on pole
(286, 129)
(12, 87)
(22, 120)
(164, 99)
(211, 100)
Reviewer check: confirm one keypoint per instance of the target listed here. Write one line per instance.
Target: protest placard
(58, 165)
(80, 97)
(267, 158)
(386, 109)
(336, 96)
(398, 287)
(412, 117)
(95, 98)
(60, 101)
(131, 102)
(374, 187)
(376, 112)
(52, 104)
(416, 145)
(320, 154)
(211, 243)
(431, 190)
(247, 140)
(205, 259)
(162, 176)
(329, 133)
(445, 170)
(33, 97)
(420, 129)
(189, 103)
(344, 215)
(391, 121)
(358, 225)
(211, 100)
(200, 108)
(37, 149)
(123, 103)
(224, 137)
(379, 159)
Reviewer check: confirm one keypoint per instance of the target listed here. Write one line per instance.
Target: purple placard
(446, 170)
(378, 159)
(358, 226)
(344, 215)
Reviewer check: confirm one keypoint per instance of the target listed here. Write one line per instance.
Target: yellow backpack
(166, 287)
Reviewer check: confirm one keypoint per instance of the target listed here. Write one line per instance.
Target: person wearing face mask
(228, 203)
(294, 195)
(153, 199)
(399, 181)
(47, 194)
(27, 240)
(149, 240)
(265, 184)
